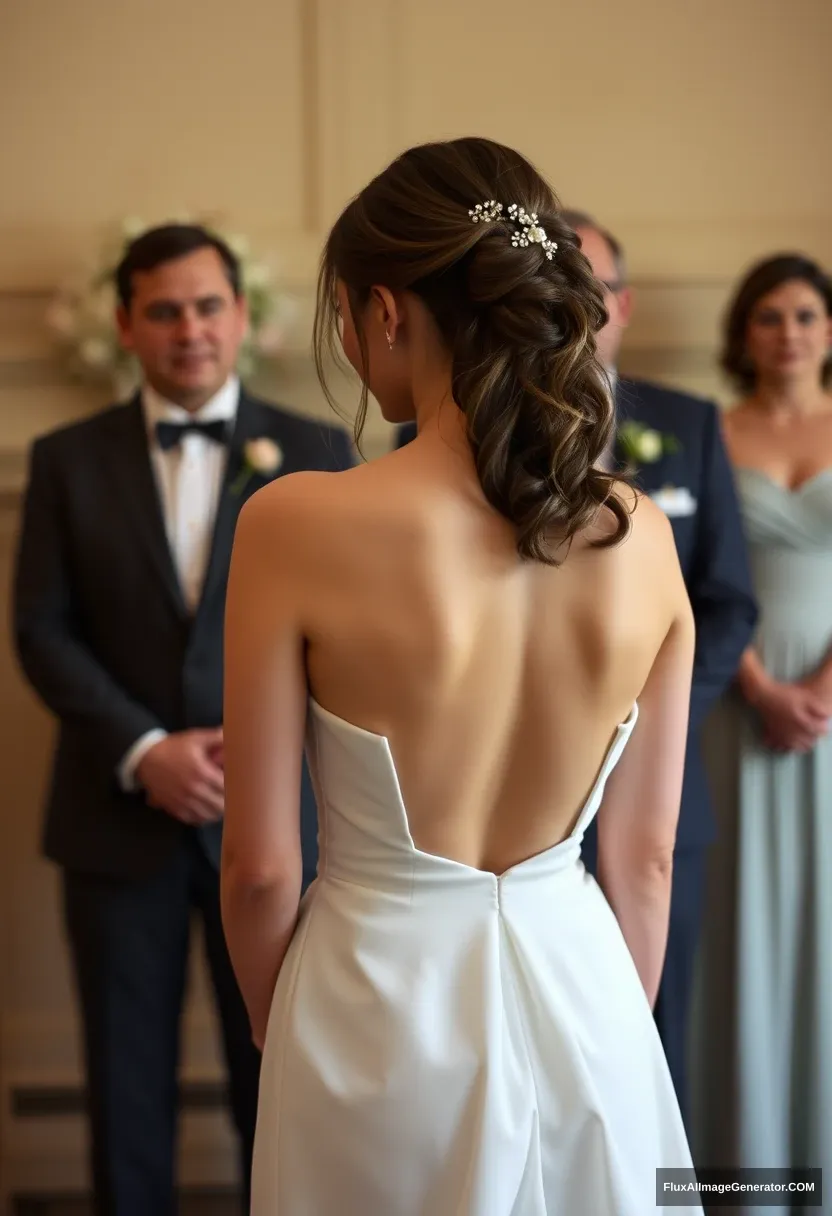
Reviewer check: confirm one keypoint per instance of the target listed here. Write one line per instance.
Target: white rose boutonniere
(262, 457)
(642, 445)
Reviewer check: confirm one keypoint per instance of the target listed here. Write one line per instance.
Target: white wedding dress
(445, 1042)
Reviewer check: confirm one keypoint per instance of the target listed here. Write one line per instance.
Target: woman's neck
(433, 402)
(792, 397)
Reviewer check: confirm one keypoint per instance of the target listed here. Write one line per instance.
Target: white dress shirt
(189, 477)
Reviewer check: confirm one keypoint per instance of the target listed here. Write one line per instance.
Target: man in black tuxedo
(695, 486)
(122, 565)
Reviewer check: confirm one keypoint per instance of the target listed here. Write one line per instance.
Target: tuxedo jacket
(102, 629)
(694, 485)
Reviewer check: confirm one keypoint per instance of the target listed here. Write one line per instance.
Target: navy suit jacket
(103, 633)
(712, 553)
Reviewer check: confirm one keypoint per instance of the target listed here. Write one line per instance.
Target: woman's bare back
(498, 683)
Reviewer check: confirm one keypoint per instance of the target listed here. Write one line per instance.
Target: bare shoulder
(300, 520)
(649, 552)
(649, 526)
(298, 497)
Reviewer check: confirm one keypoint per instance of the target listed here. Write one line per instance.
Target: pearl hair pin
(529, 231)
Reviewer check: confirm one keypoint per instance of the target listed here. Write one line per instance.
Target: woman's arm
(752, 678)
(638, 818)
(264, 722)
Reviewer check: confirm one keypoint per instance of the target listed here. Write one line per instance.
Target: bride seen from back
(458, 632)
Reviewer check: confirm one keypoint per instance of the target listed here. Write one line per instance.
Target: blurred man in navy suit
(122, 566)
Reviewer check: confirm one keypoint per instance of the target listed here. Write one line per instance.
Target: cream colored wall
(697, 132)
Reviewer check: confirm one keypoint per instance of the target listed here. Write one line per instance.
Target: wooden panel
(152, 108)
(360, 87)
(697, 130)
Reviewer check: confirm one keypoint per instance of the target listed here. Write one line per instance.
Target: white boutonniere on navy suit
(643, 445)
(262, 458)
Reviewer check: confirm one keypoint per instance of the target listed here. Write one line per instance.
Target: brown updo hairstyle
(762, 278)
(521, 328)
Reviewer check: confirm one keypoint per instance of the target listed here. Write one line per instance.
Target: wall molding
(675, 323)
(53, 1159)
(37, 371)
(42, 1112)
(44, 1049)
(13, 469)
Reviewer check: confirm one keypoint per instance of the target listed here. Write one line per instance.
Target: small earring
(389, 339)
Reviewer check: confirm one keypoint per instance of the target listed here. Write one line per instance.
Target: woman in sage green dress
(762, 1042)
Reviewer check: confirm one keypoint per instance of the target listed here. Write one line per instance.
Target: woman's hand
(794, 716)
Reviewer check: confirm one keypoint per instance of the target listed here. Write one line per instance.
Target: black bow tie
(169, 433)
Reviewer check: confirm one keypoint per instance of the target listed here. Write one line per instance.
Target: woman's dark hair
(762, 278)
(520, 327)
(165, 244)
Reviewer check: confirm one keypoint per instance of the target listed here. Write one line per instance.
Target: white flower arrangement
(81, 315)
